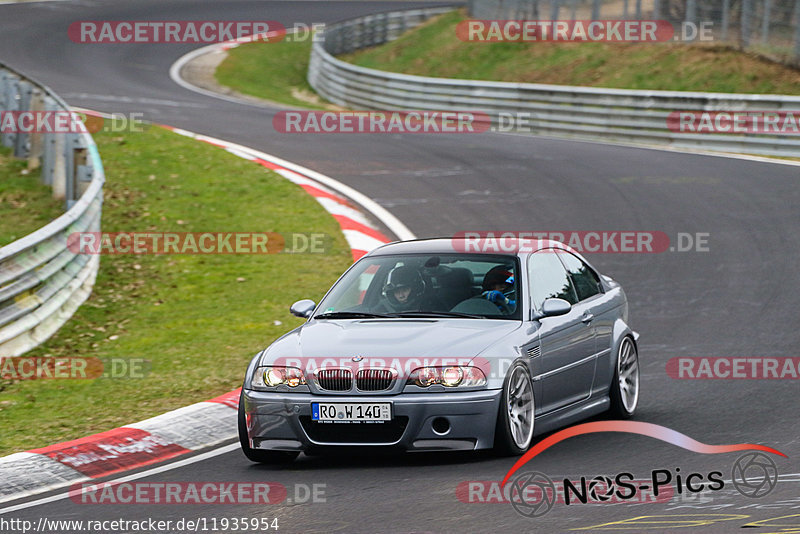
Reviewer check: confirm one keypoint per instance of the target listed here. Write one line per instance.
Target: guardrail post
(10, 104)
(36, 144)
(49, 147)
(554, 8)
(59, 172)
(747, 12)
(71, 146)
(691, 11)
(83, 170)
(21, 142)
(726, 14)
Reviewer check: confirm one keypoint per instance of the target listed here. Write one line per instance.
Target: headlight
(426, 376)
(451, 377)
(274, 376)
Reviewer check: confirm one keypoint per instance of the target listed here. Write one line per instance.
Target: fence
(629, 116)
(42, 282)
(767, 27)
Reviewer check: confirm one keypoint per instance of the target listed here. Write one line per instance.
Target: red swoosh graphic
(633, 427)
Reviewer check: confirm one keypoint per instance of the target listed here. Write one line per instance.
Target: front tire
(256, 455)
(514, 431)
(625, 386)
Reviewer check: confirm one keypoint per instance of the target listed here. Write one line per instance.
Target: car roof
(486, 243)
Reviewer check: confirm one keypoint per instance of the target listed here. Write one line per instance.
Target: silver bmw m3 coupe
(436, 344)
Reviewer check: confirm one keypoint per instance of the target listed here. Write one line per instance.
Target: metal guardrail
(42, 282)
(622, 115)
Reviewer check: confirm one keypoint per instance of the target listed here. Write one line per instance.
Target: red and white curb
(199, 425)
(129, 447)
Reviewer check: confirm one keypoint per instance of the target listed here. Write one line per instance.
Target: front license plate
(351, 411)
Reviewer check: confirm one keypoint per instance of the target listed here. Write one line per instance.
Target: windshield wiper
(353, 315)
(439, 314)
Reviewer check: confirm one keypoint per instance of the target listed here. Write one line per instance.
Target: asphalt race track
(737, 299)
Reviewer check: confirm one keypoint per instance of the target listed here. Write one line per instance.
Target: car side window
(583, 277)
(549, 279)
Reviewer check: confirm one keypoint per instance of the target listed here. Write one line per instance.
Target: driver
(404, 289)
(498, 282)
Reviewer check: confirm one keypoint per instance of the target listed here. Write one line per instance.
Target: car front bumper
(282, 421)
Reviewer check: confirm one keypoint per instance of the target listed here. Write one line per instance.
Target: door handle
(587, 318)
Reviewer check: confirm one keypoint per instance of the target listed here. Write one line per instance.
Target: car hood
(382, 338)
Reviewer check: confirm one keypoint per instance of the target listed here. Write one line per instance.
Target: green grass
(433, 49)
(25, 203)
(197, 318)
(274, 71)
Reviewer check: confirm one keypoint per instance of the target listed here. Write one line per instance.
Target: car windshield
(425, 285)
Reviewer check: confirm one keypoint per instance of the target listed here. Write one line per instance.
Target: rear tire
(514, 431)
(625, 386)
(257, 455)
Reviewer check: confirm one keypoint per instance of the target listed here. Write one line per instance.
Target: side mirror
(553, 308)
(303, 308)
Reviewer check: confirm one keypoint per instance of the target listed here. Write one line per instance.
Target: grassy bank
(433, 49)
(198, 319)
(274, 71)
(25, 203)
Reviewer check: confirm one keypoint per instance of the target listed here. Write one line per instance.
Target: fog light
(441, 426)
